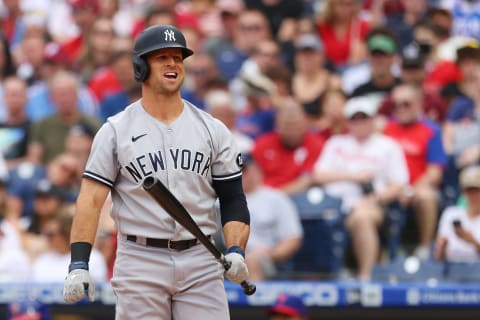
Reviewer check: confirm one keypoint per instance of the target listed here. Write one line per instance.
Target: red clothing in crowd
(282, 165)
(103, 83)
(337, 50)
(421, 143)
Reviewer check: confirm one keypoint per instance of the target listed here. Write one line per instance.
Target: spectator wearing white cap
(367, 170)
(458, 236)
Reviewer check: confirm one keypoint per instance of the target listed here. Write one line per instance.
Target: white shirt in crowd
(273, 217)
(458, 250)
(14, 262)
(52, 267)
(380, 155)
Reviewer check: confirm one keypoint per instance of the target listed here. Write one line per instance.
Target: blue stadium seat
(409, 269)
(391, 230)
(463, 272)
(325, 237)
(450, 189)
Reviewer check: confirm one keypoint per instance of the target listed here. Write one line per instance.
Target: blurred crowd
(377, 102)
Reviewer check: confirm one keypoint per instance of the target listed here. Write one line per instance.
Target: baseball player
(161, 271)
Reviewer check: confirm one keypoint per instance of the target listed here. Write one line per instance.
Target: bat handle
(248, 287)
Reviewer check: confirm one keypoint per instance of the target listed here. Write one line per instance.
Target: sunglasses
(359, 116)
(402, 104)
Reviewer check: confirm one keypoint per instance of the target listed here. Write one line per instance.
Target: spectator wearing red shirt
(343, 32)
(421, 142)
(84, 13)
(287, 155)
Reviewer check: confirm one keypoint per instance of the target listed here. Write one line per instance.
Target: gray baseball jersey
(185, 155)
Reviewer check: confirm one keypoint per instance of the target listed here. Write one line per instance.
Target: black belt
(166, 243)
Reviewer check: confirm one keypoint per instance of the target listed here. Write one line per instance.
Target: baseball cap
(45, 188)
(309, 41)
(470, 177)
(412, 57)
(359, 105)
(289, 305)
(382, 43)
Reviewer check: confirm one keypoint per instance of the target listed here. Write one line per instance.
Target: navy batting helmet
(154, 38)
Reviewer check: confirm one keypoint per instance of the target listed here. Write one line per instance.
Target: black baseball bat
(174, 208)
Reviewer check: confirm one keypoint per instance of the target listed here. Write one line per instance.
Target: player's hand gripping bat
(175, 209)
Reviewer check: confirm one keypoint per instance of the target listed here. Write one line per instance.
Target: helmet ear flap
(140, 68)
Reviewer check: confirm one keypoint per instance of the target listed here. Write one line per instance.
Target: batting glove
(235, 268)
(78, 285)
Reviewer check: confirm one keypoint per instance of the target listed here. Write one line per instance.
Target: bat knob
(248, 288)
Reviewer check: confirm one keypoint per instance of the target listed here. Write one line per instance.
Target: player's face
(167, 70)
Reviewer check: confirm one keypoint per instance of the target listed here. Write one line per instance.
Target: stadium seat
(450, 189)
(409, 269)
(325, 237)
(391, 231)
(463, 272)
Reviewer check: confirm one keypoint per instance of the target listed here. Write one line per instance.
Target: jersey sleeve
(227, 160)
(102, 165)
(436, 152)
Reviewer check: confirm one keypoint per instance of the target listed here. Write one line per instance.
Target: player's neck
(165, 108)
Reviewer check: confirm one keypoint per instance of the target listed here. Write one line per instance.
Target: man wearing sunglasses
(422, 144)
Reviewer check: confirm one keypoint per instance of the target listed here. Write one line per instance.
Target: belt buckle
(169, 244)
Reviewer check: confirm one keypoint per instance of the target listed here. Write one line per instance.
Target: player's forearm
(236, 233)
(89, 203)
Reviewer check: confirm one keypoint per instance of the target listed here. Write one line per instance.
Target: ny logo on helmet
(169, 35)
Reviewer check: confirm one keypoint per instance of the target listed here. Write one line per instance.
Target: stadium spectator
(13, 25)
(343, 32)
(331, 120)
(421, 141)
(48, 267)
(382, 50)
(311, 79)
(97, 52)
(402, 23)
(466, 22)
(219, 104)
(281, 13)
(413, 71)
(48, 201)
(201, 74)
(288, 307)
(265, 55)
(286, 155)
(258, 116)
(15, 130)
(458, 237)
(276, 232)
(48, 135)
(467, 61)
(14, 262)
(61, 171)
(84, 14)
(30, 56)
(367, 170)
(228, 11)
(251, 28)
(78, 144)
(115, 86)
